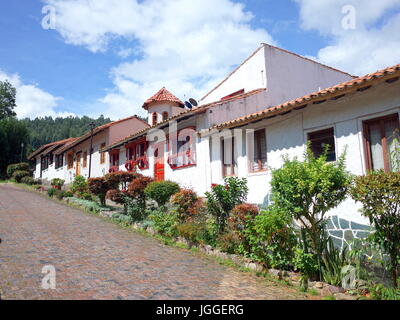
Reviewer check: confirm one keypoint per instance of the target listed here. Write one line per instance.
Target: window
(379, 142)
(85, 159)
(114, 158)
(154, 121)
(165, 116)
(70, 160)
(59, 161)
(259, 163)
(137, 151)
(185, 149)
(229, 165)
(102, 154)
(318, 141)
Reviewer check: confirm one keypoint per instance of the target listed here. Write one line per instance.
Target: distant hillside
(45, 130)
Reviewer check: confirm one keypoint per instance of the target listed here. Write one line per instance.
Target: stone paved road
(95, 259)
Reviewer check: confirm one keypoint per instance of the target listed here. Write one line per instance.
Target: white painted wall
(250, 75)
(287, 135)
(172, 109)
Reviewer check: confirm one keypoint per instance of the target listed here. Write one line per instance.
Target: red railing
(142, 163)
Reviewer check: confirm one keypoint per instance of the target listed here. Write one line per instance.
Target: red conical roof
(163, 95)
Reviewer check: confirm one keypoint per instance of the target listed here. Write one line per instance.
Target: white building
(272, 104)
(68, 158)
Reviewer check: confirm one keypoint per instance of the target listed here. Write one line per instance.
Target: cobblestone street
(95, 259)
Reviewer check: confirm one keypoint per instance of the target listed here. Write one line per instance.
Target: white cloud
(372, 45)
(32, 101)
(187, 46)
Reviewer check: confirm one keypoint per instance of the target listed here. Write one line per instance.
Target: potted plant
(57, 183)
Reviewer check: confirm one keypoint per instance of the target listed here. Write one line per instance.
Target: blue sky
(107, 56)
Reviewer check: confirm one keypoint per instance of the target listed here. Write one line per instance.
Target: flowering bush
(185, 200)
(57, 183)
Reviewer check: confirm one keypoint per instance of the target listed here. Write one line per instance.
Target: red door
(159, 174)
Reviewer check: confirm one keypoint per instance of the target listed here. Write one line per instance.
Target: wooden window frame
(165, 115)
(255, 143)
(85, 155)
(70, 161)
(330, 130)
(102, 154)
(59, 161)
(192, 148)
(232, 165)
(154, 118)
(367, 143)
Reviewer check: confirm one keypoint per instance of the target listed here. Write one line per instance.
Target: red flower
(213, 185)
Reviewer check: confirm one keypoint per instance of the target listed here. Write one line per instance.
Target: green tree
(379, 194)
(308, 190)
(13, 134)
(7, 100)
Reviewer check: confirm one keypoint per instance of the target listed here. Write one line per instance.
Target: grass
(313, 292)
(329, 298)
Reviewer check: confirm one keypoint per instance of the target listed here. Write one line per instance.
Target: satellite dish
(193, 102)
(188, 105)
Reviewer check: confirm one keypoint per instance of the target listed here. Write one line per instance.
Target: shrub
(379, 194)
(79, 186)
(222, 199)
(116, 195)
(164, 222)
(273, 239)
(194, 232)
(161, 191)
(28, 180)
(228, 242)
(57, 183)
(308, 190)
(185, 200)
(136, 190)
(122, 218)
(59, 194)
(241, 220)
(99, 187)
(51, 192)
(19, 174)
(17, 167)
(380, 292)
(68, 194)
(120, 179)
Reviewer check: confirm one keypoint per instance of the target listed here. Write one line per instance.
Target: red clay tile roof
(50, 146)
(96, 131)
(163, 95)
(187, 113)
(334, 92)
